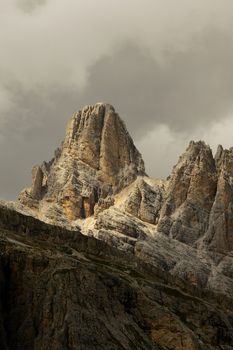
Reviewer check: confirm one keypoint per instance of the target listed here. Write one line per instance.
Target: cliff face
(62, 290)
(98, 169)
(163, 255)
(96, 160)
(198, 204)
(190, 195)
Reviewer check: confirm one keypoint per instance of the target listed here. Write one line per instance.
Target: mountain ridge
(63, 290)
(98, 159)
(99, 200)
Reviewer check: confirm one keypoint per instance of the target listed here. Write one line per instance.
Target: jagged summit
(96, 160)
(98, 137)
(182, 228)
(98, 173)
(190, 194)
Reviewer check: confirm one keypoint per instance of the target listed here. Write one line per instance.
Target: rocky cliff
(132, 262)
(96, 160)
(98, 167)
(62, 290)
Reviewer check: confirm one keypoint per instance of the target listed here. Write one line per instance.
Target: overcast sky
(165, 65)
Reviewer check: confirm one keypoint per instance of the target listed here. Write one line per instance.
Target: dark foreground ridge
(62, 290)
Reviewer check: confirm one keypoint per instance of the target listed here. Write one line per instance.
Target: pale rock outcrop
(190, 195)
(65, 291)
(145, 200)
(37, 181)
(103, 204)
(98, 172)
(180, 227)
(219, 235)
(97, 159)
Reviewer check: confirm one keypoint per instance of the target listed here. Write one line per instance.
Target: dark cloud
(32, 129)
(30, 5)
(189, 89)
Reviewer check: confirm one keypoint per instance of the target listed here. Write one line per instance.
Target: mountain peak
(97, 161)
(97, 158)
(98, 137)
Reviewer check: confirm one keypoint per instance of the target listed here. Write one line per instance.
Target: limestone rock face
(190, 195)
(62, 290)
(37, 182)
(98, 173)
(145, 200)
(97, 159)
(219, 235)
(198, 205)
(97, 137)
(164, 246)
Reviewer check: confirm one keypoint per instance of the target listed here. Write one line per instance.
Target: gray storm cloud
(30, 5)
(190, 88)
(161, 67)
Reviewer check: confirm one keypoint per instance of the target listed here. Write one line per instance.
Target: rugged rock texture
(155, 260)
(199, 199)
(98, 168)
(97, 183)
(220, 232)
(145, 200)
(62, 290)
(97, 158)
(190, 195)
